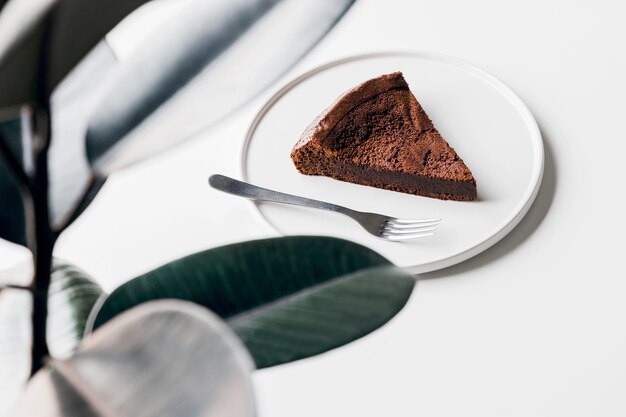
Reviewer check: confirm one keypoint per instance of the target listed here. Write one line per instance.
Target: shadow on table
(521, 232)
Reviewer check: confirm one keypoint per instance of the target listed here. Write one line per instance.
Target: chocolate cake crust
(377, 134)
(326, 121)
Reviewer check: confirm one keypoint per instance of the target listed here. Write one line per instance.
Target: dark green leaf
(287, 298)
(11, 133)
(166, 358)
(323, 317)
(16, 161)
(199, 67)
(12, 222)
(73, 185)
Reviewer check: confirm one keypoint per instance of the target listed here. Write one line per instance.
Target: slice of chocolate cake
(377, 134)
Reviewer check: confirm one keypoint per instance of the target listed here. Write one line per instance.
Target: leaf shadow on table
(521, 232)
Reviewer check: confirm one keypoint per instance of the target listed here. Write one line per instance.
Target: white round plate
(487, 124)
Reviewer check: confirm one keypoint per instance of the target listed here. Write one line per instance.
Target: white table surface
(532, 327)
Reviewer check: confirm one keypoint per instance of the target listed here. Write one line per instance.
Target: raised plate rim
(517, 214)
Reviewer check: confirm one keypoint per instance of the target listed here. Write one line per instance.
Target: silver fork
(385, 227)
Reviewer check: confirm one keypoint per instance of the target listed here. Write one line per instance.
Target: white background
(535, 325)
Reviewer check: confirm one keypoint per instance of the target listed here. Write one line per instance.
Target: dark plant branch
(34, 192)
(44, 239)
(39, 220)
(40, 239)
(16, 287)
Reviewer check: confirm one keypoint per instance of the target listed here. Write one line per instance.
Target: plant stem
(43, 241)
(16, 287)
(40, 239)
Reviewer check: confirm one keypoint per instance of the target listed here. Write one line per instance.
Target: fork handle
(243, 189)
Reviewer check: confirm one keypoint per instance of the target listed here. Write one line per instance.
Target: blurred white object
(222, 54)
(162, 359)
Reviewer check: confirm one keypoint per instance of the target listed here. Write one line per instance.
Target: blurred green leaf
(11, 133)
(287, 298)
(15, 340)
(78, 26)
(12, 214)
(201, 65)
(72, 28)
(139, 366)
(72, 296)
(225, 51)
(73, 184)
(71, 181)
(12, 222)
(22, 27)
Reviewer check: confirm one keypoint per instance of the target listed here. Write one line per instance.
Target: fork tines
(405, 229)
